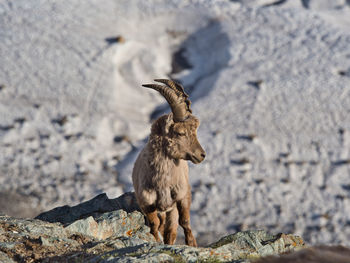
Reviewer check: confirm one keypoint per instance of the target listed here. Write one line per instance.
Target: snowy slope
(70, 97)
(270, 82)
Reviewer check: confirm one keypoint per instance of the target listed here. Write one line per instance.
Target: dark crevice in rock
(94, 207)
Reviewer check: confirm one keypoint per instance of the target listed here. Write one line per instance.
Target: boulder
(28, 240)
(318, 254)
(114, 230)
(117, 223)
(94, 207)
(239, 247)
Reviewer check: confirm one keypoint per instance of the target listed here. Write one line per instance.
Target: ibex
(160, 174)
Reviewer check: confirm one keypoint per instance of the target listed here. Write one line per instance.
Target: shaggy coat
(160, 176)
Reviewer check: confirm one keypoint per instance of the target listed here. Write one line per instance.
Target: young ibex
(160, 174)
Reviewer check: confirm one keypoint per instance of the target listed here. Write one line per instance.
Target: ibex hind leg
(183, 207)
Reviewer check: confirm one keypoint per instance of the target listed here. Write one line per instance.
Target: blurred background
(269, 80)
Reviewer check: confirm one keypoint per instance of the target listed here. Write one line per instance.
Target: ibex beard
(160, 174)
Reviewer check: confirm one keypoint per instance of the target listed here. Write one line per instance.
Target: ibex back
(160, 174)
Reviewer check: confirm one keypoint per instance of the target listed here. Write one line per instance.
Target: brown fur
(160, 176)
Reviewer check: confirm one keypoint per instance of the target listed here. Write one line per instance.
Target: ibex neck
(160, 161)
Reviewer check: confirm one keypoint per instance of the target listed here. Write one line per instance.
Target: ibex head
(180, 129)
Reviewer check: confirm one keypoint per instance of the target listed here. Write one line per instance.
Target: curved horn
(173, 85)
(178, 88)
(175, 96)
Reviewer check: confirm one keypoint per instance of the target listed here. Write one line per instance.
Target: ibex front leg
(183, 207)
(154, 224)
(162, 217)
(171, 224)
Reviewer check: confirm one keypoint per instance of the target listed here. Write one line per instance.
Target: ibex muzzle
(198, 154)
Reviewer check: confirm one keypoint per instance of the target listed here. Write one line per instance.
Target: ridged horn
(173, 85)
(178, 88)
(175, 96)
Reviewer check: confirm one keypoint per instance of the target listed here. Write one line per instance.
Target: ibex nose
(201, 155)
(198, 156)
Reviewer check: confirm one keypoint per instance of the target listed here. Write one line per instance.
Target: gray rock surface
(318, 254)
(99, 231)
(239, 247)
(4, 258)
(117, 223)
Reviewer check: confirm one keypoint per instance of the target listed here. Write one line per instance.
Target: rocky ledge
(114, 230)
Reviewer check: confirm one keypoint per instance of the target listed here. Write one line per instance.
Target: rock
(94, 207)
(320, 254)
(239, 247)
(113, 230)
(118, 223)
(29, 227)
(87, 226)
(26, 240)
(102, 218)
(254, 244)
(7, 245)
(5, 259)
(145, 257)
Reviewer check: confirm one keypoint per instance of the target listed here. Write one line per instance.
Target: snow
(269, 80)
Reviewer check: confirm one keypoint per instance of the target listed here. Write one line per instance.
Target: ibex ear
(162, 125)
(168, 122)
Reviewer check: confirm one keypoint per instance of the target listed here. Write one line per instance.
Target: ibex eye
(180, 133)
